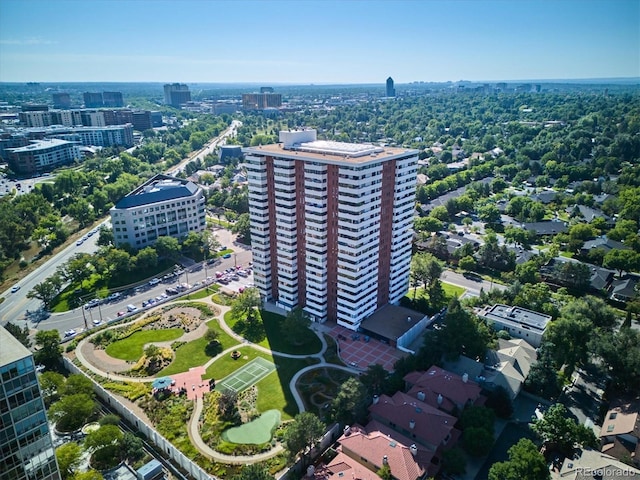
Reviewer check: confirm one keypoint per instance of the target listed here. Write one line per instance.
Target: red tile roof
(375, 445)
(436, 381)
(343, 467)
(431, 427)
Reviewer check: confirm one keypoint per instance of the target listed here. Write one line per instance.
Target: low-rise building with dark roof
(163, 206)
(624, 289)
(620, 432)
(548, 227)
(604, 243)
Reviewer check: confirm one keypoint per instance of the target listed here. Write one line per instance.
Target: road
(471, 285)
(16, 305)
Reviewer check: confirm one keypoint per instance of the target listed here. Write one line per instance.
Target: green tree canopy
(525, 463)
(559, 431)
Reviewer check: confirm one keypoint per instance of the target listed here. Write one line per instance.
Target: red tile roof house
(420, 423)
(444, 390)
(620, 432)
(342, 467)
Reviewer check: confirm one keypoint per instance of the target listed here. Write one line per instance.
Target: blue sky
(309, 41)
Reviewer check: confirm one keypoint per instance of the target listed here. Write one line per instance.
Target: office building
(519, 322)
(176, 94)
(156, 119)
(331, 224)
(26, 448)
(391, 91)
(61, 100)
(92, 99)
(42, 156)
(117, 117)
(109, 136)
(112, 99)
(261, 101)
(163, 206)
(142, 120)
(34, 107)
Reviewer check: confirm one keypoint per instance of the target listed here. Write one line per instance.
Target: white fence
(171, 452)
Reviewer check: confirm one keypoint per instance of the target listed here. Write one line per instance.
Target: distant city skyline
(322, 42)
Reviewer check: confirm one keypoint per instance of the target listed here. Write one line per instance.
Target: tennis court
(244, 377)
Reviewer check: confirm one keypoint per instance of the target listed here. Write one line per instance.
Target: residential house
(518, 321)
(624, 289)
(620, 432)
(423, 424)
(443, 390)
(547, 227)
(604, 243)
(593, 465)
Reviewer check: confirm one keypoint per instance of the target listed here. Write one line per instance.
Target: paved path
(85, 353)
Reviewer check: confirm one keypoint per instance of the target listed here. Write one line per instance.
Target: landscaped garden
(320, 386)
(132, 347)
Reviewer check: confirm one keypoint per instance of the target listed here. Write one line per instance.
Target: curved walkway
(194, 423)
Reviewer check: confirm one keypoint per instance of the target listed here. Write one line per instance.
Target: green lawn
(452, 290)
(131, 348)
(276, 341)
(204, 293)
(273, 390)
(255, 432)
(195, 352)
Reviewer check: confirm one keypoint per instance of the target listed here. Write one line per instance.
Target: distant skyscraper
(176, 94)
(93, 99)
(260, 101)
(112, 99)
(331, 225)
(61, 100)
(391, 91)
(25, 441)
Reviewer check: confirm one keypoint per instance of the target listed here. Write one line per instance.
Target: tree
(350, 404)
(78, 383)
(467, 263)
(131, 447)
(69, 456)
(105, 444)
(375, 379)
(88, 475)
(621, 260)
(253, 472)
(245, 304)
(242, 227)
(477, 417)
(167, 247)
(211, 335)
(500, 402)
(72, 411)
(454, 461)
(47, 290)
(303, 433)
(295, 325)
(146, 259)
(525, 463)
(22, 335)
(462, 334)
(559, 431)
(52, 386)
(384, 472)
(477, 441)
(50, 350)
(228, 407)
(620, 353)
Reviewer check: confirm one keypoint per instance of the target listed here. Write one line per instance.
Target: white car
(69, 333)
(15, 288)
(154, 281)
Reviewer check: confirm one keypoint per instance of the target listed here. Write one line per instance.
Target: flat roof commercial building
(519, 322)
(25, 440)
(163, 206)
(42, 156)
(331, 224)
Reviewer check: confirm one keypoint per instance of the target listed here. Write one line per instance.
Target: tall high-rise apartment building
(176, 94)
(61, 100)
(262, 100)
(331, 224)
(391, 91)
(93, 99)
(26, 448)
(112, 99)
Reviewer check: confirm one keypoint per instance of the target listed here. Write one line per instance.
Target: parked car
(15, 288)
(69, 333)
(131, 308)
(154, 281)
(226, 255)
